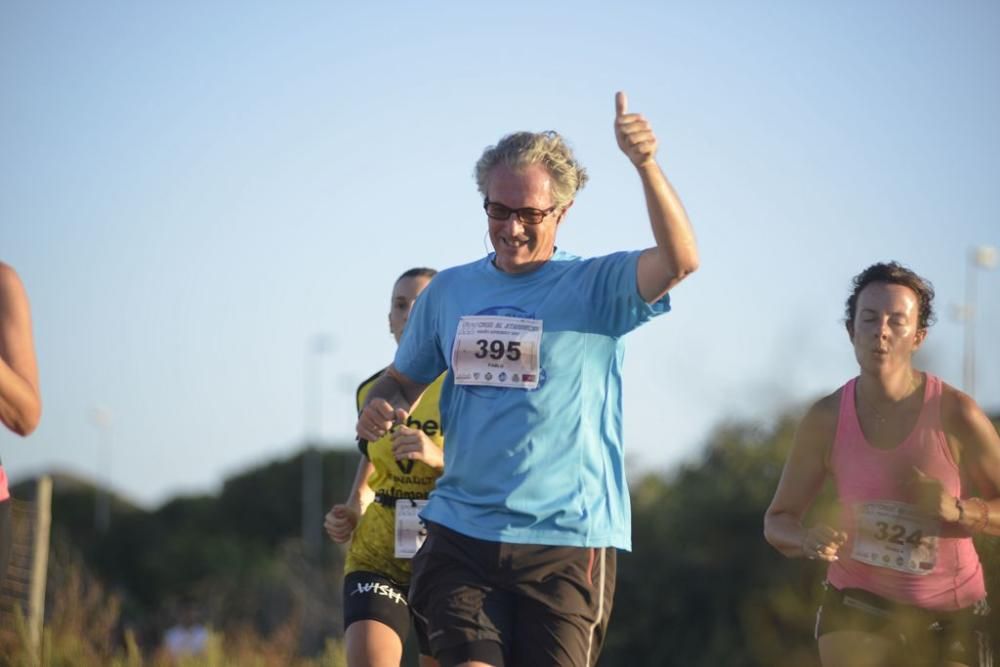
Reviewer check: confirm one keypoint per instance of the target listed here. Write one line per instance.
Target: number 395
(495, 349)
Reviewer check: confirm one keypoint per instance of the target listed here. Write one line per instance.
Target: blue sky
(193, 192)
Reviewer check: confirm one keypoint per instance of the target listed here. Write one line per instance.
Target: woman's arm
(343, 518)
(801, 480)
(979, 447)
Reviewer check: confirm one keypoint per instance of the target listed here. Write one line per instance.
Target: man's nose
(515, 222)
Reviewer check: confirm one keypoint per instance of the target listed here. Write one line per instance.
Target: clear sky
(193, 192)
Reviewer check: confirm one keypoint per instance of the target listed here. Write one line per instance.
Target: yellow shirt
(372, 546)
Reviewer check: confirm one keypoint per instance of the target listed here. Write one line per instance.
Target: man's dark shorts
(369, 596)
(513, 604)
(923, 637)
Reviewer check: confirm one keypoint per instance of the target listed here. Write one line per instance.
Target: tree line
(700, 587)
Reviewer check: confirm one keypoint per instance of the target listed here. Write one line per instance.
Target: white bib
(497, 351)
(410, 530)
(895, 535)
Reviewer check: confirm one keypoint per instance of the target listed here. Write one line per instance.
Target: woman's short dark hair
(418, 272)
(894, 274)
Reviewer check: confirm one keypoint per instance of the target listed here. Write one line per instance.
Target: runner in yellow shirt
(380, 515)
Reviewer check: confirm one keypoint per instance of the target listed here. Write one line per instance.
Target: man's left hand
(634, 133)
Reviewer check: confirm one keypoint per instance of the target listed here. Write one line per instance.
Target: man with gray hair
(519, 562)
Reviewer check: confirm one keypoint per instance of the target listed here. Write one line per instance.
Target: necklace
(878, 415)
(880, 419)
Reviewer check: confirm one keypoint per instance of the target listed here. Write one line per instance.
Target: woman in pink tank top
(20, 405)
(916, 467)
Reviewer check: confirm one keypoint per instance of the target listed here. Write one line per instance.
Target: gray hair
(522, 149)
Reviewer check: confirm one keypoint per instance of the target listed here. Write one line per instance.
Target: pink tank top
(891, 550)
(4, 490)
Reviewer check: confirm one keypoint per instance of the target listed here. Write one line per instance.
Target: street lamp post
(312, 461)
(980, 257)
(101, 419)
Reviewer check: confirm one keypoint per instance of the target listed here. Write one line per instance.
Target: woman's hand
(341, 521)
(414, 445)
(823, 542)
(932, 499)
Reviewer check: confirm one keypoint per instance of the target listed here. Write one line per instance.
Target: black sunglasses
(527, 215)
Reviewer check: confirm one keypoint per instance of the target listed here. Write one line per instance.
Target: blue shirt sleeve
(419, 356)
(613, 283)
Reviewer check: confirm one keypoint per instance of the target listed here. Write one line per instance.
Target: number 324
(897, 534)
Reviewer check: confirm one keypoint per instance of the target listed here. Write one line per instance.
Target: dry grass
(83, 630)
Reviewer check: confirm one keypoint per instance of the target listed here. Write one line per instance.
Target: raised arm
(675, 255)
(389, 402)
(801, 480)
(20, 401)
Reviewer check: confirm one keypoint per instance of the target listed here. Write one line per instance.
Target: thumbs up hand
(634, 134)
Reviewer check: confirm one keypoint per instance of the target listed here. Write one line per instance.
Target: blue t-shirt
(543, 465)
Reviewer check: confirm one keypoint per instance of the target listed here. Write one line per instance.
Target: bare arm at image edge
(20, 401)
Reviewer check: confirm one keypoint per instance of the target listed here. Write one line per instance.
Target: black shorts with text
(369, 596)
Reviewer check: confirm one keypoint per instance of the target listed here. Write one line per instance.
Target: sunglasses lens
(531, 216)
(498, 211)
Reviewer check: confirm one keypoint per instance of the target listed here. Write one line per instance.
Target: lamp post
(101, 418)
(980, 257)
(312, 462)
